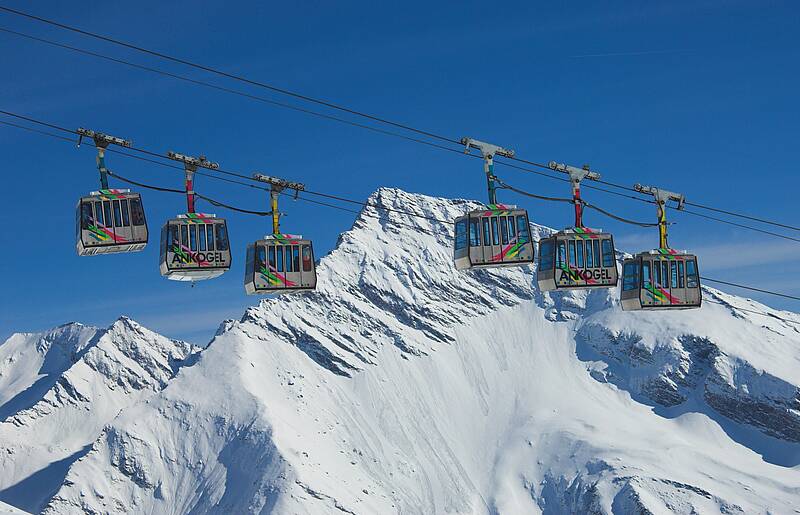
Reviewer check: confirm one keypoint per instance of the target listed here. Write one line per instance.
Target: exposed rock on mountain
(404, 386)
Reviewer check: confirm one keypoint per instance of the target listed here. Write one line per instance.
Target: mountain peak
(390, 281)
(53, 406)
(404, 385)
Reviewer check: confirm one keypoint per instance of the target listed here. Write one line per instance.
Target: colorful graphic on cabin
(103, 234)
(498, 210)
(511, 251)
(659, 294)
(182, 255)
(275, 278)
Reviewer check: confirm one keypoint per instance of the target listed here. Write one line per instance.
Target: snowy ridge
(85, 377)
(371, 294)
(7, 509)
(404, 386)
(26, 359)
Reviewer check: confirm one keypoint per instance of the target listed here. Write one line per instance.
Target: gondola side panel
(578, 258)
(282, 264)
(195, 247)
(111, 221)
(498, 236)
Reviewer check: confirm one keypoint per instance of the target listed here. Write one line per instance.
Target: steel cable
(261, 213)
(229, 75)
(304, 98)
(572, 201)
(708, 279)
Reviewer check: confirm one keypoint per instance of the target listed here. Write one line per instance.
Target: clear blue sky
(699, 97)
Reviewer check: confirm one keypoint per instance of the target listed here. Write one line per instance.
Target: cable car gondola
(494, 237)
(578, 257)
(194, 246)
(280, 263)
(498, 236)
(663, 278)
(109, 220)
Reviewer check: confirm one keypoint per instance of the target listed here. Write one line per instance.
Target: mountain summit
(404, 386)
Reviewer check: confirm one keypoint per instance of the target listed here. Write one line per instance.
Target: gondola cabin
(498, 236)
(577, 258)
(660, 279)
(110, 221)
(280, 263)
(195, 247)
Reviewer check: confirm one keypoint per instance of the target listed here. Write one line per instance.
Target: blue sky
(698, 97)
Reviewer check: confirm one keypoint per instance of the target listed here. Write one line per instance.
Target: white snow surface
(7, 509)
(404, 386)
(64, 386)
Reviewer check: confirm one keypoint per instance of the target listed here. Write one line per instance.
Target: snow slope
(61, 388)
(405, 386)
(7, 509)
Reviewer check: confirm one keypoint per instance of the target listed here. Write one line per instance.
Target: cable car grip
(101, 142)
(190, 165)
(576, 175)
(488, 152)
(277, 185)
(662, 197)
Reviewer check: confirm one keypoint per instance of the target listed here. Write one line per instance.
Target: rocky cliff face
(738, 365)
(405, 386)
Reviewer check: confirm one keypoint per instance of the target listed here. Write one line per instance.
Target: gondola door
(478, 243)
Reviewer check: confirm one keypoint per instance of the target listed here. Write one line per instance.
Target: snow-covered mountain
(404, 386)
(58, 391)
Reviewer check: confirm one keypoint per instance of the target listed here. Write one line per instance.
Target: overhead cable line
(768, 315)
(141, 185)
(261, 213)
(748, 217)
(793, 297)
(228, 90)
(226, 172)
(225, 74)
(300, 96)
(736, 224)
(572, 201)
(365, 204)
(506, 186)
(248, 178)
(37, 131)
(233, 208)
(619, 218)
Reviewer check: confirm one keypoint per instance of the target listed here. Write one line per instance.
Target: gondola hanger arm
(191, 162)
(486, 149)
(281, 183)
(575, 174)
(662, 196)
(102, 140)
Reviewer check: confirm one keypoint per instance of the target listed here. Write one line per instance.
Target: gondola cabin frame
(280, 264)
(661, 279)
(497, 236)
(195, 247)
(110, 221)
(577, 258)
